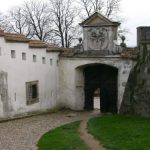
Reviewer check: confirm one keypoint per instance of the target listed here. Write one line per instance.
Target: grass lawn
(121, 132)
(63, 138)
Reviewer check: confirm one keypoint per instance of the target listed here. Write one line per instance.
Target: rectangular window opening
(57, 62)
(34, 58)
(23, 56)
(51, 61)
(43, 60)
(13, 54)
(32, 92)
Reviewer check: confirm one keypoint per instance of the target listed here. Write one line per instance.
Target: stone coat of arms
(97, 39)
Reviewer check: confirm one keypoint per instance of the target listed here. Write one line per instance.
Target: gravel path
(23, 134)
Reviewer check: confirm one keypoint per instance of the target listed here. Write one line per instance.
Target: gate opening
(105, 78)
(96, 99)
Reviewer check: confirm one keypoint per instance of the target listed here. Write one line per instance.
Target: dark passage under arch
(103, 77)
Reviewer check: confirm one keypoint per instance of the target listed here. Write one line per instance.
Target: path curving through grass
(88, 138)
(73, 136)
(63, 138)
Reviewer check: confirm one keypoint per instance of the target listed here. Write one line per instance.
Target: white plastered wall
(21, 71)
(71, 78)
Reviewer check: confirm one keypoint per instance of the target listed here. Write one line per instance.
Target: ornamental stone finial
(123, 44)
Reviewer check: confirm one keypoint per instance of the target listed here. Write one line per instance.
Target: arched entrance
(105, 78)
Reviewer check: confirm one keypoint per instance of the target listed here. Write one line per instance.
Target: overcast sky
(135, 12)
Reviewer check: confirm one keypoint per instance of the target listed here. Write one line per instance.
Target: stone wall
(136, 98)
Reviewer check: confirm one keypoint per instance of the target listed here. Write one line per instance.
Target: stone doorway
(105, 78)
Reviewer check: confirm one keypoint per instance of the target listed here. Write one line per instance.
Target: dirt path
(23, 134)
(88, 138)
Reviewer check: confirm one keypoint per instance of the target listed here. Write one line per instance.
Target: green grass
(121, 132)
(63, 138)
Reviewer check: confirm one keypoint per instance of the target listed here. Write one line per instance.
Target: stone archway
(104, 77)
(72, 79)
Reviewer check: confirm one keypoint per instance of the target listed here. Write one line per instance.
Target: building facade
(28, 76)
(36, 77)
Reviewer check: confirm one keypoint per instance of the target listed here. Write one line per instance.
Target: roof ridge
(107, 20)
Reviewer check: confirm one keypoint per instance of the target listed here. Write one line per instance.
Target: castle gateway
(96, 63)
(36, 77)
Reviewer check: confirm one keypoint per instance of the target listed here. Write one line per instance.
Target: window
(34, 58)
(32, 92)
(13, 54)
(43, 60)
(23, 56)
(51, 61)
(57, 62)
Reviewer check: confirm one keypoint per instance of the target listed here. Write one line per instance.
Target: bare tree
(31, 19)
(112, 7)
(90, 6)
(16, 21)
(107, 7)
(38, 19)
(50, 22)
(63, 18)
(55, 20)
(3, 21)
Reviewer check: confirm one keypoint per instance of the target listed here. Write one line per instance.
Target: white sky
(135, 12)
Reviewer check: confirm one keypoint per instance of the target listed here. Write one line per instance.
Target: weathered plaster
(4, 98)
(21, 71)
(60, 84)
(72, 79)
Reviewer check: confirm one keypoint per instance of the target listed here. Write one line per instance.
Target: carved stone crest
(97, 39)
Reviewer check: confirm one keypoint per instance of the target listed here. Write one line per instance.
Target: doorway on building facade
(104, 78)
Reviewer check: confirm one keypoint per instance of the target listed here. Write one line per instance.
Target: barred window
(32, 92)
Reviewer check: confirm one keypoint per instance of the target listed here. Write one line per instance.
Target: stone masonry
(136, 98)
